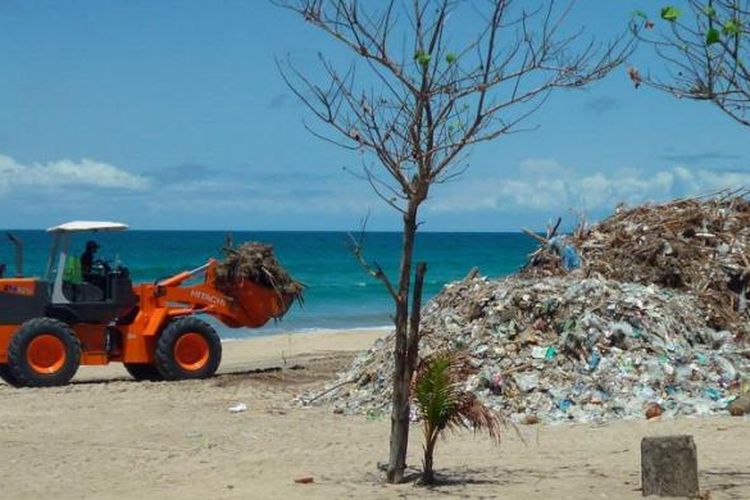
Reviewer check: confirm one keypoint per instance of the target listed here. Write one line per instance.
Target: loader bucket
(256, 305)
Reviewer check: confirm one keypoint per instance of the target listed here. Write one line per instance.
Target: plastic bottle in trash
(570, 258)
(594, 360)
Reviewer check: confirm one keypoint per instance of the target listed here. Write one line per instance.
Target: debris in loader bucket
(256, 262)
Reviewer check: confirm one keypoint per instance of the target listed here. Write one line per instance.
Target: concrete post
(669, 466)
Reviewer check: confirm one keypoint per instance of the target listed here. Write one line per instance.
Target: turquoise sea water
(340, 294)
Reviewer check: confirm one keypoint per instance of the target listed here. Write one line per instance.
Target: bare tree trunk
(399, 413)
(405, 350)
(416, 317)
(406, 123)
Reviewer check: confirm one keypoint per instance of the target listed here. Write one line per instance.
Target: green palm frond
(442, 400)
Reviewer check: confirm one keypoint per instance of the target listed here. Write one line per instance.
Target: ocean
(340, 295)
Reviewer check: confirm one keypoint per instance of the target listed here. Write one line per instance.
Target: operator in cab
(87, 259)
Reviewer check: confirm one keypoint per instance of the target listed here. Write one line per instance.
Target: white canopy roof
(88, 225)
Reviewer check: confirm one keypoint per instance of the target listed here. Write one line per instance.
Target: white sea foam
(250, 333)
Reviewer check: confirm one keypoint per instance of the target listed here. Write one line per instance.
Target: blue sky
(172, 115)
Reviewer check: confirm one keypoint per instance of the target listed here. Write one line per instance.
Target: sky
(173, 115)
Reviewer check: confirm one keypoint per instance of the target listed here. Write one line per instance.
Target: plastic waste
(565, 404)
(527, 382)
(727, 371)
(539, 352)
(712, 393)
(238, 408)
(567, 252)
(569, 348)
(570, 258)
(594, 360)
(624, 328)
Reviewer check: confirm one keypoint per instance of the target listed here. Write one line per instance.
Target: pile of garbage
(567, 348)
(697, 245)
(256, 262)
(642, 315)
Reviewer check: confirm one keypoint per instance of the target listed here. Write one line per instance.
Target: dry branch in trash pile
(697, 245)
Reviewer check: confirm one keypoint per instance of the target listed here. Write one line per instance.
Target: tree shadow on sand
(449, 480)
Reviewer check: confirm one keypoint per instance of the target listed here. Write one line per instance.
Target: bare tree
(426, 92)
(706, 51)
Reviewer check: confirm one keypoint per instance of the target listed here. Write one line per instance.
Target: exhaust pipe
(19, 254)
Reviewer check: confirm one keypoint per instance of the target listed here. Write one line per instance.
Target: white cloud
(65, 190)
(546, 185)
(252, 197)
(61, 173)
(267, 196)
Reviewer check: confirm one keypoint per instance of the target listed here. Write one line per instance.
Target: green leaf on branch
(731, 27)
(670, 13)
(713, 36)
(709, 11)
(422, 58)
(640, 13)
(450, 58)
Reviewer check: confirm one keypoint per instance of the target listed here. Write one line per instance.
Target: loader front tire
(143, 371)
(7, 375)
(188, 348)
(43, 352)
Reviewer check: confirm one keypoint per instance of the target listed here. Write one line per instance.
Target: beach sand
(107, 436)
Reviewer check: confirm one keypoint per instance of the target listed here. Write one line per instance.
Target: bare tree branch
(356, 246)
(707, 51)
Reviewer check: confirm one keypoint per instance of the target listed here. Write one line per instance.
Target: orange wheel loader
(50, 326)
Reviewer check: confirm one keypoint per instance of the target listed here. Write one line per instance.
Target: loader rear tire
(7, 375)
(43, 352)
(142, 371)
(188, 348)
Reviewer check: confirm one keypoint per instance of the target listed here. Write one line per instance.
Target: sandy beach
(107, 436)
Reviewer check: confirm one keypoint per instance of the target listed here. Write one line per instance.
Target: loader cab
(104, 295)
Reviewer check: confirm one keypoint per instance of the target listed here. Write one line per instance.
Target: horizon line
(389, 231)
